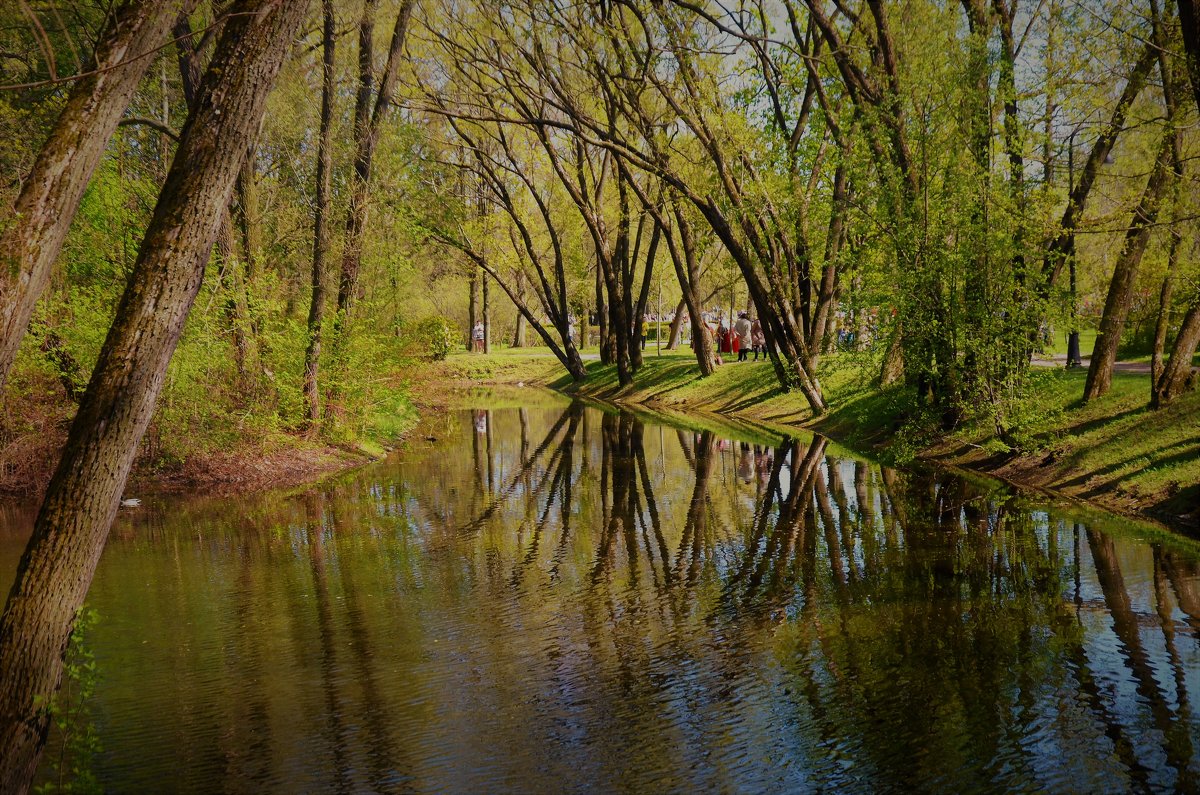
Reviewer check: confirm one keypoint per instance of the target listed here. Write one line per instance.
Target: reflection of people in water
(763, 458)
(480, 420)
(745, 470)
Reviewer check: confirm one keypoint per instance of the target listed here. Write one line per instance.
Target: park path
(1060, 360)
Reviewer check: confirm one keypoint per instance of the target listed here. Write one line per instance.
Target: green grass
(1058, 341)
(1114, 449)
(501, 366)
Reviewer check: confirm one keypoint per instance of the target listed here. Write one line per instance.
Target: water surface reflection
(549, 599)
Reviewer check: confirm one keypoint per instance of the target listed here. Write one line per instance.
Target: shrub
(433, 336)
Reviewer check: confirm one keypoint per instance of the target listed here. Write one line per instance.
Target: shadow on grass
(1178, 453)
(1088, 426)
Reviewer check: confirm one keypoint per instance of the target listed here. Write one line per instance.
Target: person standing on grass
(743, 330)
(477, 336)
(758, 340)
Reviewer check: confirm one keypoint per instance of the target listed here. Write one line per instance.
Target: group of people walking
(746, 336)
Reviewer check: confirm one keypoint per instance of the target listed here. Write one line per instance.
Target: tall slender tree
(316, 310)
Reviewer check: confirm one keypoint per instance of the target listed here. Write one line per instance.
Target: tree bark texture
(82, 499)
(1177, 375)
(1189, 25)
(316, 309)
(232, 275)
(50, 195)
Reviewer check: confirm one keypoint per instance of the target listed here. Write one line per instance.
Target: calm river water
(552, 598)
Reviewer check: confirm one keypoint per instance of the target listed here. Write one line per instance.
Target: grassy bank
(1113, 452)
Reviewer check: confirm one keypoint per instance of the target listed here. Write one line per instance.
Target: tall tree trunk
(472, 307)
(487, 317)
(1189, 26)
(1166, 291)
(249, 220)
(1120, 289)
(608, 346)
(519, 334)
(50, 195)
(82, 499)
(674, 335)
(231, 274)
(366, 136)
(316, 309)
(682, 247)
(1177, 376)
(230, 278)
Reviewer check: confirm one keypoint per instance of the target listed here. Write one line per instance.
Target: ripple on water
(492, 616)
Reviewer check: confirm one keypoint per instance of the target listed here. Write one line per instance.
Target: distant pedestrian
(758, 340)
(477, 335)
(743, 328)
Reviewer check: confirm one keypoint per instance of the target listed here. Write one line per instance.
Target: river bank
(212, 457)
(1113, 453)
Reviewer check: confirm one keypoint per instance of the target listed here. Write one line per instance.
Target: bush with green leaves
(434, 337)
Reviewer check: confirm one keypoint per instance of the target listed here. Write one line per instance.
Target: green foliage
(69, 768)
(433, 337)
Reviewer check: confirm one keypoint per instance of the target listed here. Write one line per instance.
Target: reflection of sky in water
(546, 599)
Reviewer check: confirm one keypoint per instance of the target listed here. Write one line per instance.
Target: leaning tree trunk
(1176, 377)
(682, 247)
(237, 305)
(50, 195)
(316, 310)
(1120, 289)
(82, 499)
(676, 325)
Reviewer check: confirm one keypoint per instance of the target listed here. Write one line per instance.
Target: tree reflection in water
(924, 618)
(551, 595)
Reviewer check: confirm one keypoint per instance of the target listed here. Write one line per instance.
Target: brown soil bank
(1113, 452)
(229, 459)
